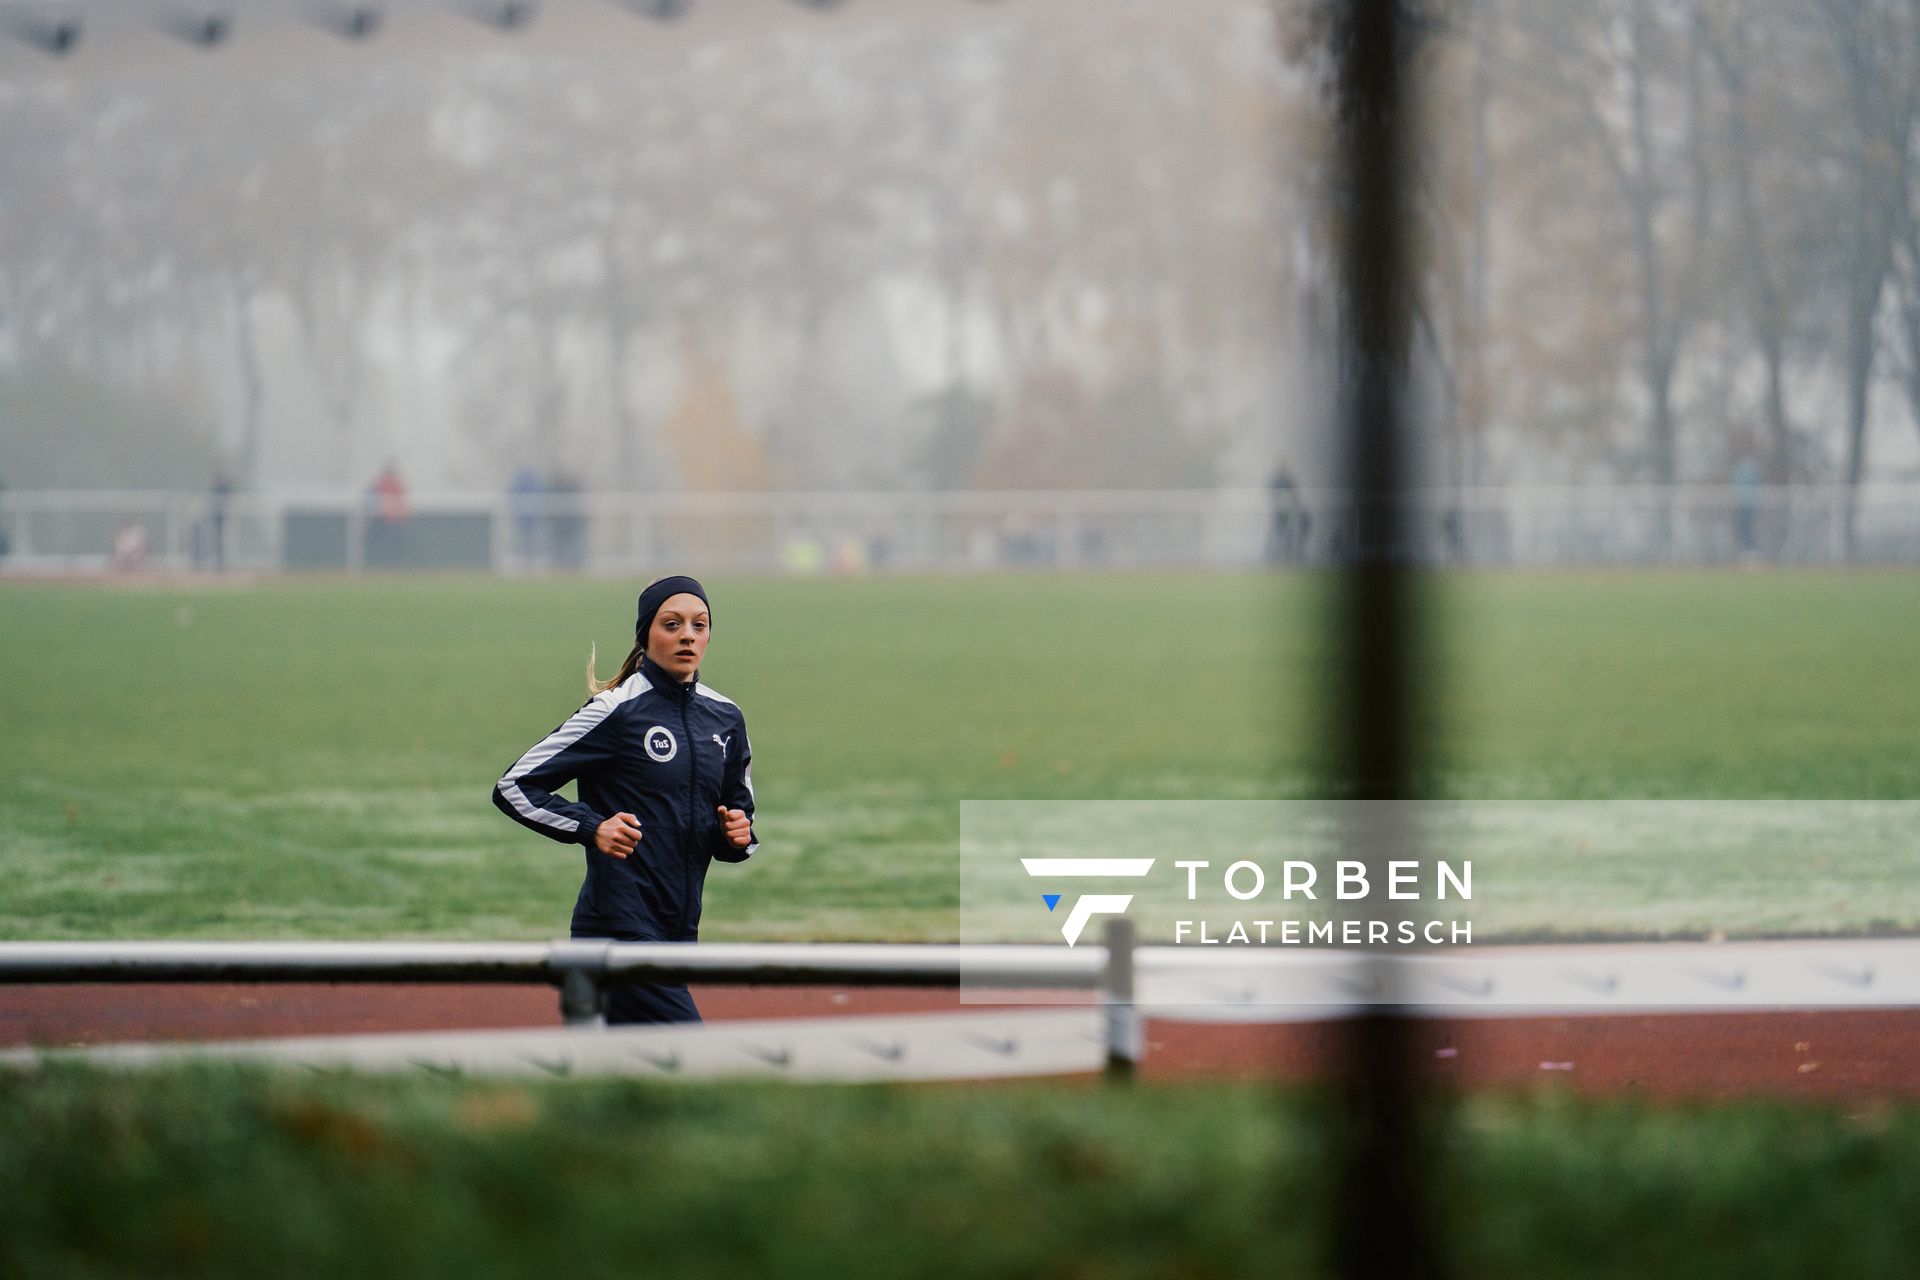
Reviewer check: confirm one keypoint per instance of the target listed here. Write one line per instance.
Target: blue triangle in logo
(1051, 899)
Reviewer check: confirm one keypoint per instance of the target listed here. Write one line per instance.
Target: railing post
(1124, 1039)
(582, 1002)
(583, 998)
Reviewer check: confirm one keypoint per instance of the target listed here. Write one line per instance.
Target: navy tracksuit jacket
(666, 752)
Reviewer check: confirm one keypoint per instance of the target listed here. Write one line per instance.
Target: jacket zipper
(693, 782)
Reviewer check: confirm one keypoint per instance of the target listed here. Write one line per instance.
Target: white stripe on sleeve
(578, 726)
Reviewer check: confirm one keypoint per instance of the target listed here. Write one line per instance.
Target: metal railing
(78, 532)
(1185, 982)
(585, 969)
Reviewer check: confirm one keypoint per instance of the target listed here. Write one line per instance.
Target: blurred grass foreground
(219, 1172)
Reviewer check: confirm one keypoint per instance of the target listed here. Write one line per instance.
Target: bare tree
(1765, 264)
(1876, 45)
(1617, 81)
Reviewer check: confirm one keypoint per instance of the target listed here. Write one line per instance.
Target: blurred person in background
(1287, 518)
(568, 520)
(665, 786)
(131, 546)
(219, 501)
(388, 495)
(386, 536)
(524, 492)
(1746, 504)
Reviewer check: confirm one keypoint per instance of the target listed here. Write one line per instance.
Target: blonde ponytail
(627, 668)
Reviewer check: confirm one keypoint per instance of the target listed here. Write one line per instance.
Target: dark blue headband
(658, 593)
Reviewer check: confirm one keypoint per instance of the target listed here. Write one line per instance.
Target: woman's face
(677, 640)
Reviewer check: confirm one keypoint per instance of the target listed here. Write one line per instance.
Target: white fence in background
(67, 532)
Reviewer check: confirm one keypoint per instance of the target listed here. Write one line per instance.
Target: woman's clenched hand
(617, 836)
(738, 826)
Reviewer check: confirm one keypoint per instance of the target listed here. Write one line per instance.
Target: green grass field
(312, 758)
(216, 1172)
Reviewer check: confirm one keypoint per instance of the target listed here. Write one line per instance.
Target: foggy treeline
(1666, 238)
(1065, 244)
(939, 247)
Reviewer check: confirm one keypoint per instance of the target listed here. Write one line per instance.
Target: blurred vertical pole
(1125, 1036)
(1383, 1225)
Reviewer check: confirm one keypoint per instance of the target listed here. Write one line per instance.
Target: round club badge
(660, 743)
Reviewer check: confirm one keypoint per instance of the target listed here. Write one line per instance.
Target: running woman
(665, 788)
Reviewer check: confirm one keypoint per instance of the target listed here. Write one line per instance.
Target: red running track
(1844, 1054)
